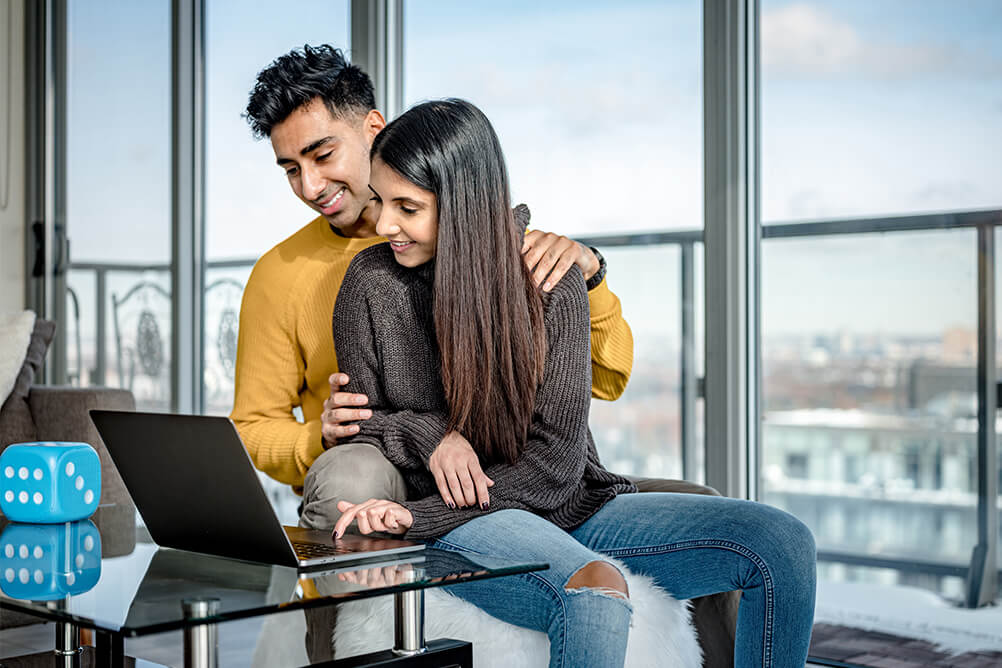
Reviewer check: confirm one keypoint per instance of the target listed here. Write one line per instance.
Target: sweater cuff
(425, 432)
(406, 435)
(433, 519)
(601, 301)
(314, 444)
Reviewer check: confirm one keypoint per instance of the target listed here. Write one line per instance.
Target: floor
(835, 645)
(236, 643)
(880, 650)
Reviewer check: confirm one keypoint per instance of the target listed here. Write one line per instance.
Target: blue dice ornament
(49, 483)
(48, 562)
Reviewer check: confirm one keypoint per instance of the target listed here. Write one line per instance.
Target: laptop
(197, 490)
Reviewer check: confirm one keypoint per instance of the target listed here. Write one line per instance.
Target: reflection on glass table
(153, 590)
(48, 562)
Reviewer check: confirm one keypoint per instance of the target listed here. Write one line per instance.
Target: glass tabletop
(56, 572)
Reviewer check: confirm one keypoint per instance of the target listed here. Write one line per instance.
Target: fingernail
(366, 413)
(354, 427)
(485, 505)
(546, 286)
(452, 505)
(359, 400)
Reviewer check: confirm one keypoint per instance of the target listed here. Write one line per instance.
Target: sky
(868, 109)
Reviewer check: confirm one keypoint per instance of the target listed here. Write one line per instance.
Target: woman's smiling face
(407, 215)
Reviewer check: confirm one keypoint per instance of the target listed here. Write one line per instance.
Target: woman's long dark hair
(488, 313)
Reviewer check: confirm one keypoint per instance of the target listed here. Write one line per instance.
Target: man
(318, 112)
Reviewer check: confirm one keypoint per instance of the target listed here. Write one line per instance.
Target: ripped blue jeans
(691, 545)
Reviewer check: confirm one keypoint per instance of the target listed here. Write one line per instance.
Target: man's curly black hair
(299, 76)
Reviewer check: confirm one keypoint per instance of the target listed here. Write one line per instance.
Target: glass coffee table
(154, 590)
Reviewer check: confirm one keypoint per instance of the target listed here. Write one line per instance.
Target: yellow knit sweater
(285, 350)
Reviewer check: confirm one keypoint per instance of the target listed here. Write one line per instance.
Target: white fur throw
(661, 632)
(15, 335)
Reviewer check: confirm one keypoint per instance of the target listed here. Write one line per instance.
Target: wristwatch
(599, 275)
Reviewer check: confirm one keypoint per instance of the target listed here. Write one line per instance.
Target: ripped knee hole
(601, 577)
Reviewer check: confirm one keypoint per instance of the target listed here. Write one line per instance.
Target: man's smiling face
(326, 160)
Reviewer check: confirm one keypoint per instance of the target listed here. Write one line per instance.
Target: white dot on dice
(37, 498)
(70, 468)
(9, 471)
(88, 496)
(79, 560)
(70, 579)
(9, 574)
(79, 482)
(23, 575)
(9, 551)
(89, 543)
(39, 576)
(38, 552)
(8, 495)
(23, 497)
(23, 552)
(22, 473)
(37, 473)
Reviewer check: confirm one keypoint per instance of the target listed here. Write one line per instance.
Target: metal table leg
(408, 623)
(109, 650)
(201, 643)
(68, 645)
(409, 647)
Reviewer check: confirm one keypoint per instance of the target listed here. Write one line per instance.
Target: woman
(464, 361)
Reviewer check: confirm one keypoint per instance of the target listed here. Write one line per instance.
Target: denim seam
(541, 583)
(734, 547)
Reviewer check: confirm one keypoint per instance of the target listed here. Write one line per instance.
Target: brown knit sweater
(384, 333)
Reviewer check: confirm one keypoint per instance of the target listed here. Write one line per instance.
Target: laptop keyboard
(313, 550)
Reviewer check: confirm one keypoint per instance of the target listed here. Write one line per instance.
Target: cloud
(805, 40)
(943, 194)
(807, 204)
(576, 69)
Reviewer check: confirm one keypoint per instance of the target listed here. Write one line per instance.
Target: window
(871, 338)
(249, 206)
(118, 188)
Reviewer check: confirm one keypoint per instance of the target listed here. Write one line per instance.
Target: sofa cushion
(15, 335)
(16, 423)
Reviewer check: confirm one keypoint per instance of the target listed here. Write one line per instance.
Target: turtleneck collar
(426, 272)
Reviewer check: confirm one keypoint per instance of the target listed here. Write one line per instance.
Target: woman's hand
(376, 578)
(456, 468)
(373, 515)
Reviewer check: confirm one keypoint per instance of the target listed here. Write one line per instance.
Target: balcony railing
(139, 357)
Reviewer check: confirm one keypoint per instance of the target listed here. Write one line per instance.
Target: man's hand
(337, 411)
(373, 515)
(549, 256)
(456, 468)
